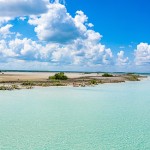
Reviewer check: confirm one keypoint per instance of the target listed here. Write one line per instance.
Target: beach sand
(38, 76)
(15, 80)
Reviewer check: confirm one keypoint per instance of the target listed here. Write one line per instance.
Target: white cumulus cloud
(142, 54)
(56, 25)
(63, 40)
(5, 31)
(4, 20)
(15, 8)
(121, 59)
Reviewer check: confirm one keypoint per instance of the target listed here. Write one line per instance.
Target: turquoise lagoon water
(105, 117)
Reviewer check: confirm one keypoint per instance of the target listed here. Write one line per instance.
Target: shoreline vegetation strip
(60, 79)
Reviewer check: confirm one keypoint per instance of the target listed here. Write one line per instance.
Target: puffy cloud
(4, 20)
(82, 53)
(142, 54)
(77, 53)
(90, 25)
(72, 42)
(121, 60)
(80, 19)
(5, 31)
(22, 18)
(5, 51)
(25, 49)
(17, 48)
(14, 8)
(56, 25)
(107, 57)
(63, 41)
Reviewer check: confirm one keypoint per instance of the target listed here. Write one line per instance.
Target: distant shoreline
(28, 80)
(47, 71)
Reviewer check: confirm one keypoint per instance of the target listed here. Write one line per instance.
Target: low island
(28, 80)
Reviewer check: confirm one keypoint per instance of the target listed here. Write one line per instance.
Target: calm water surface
(105, 117)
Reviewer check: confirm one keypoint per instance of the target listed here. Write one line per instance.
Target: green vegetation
(29, 87)
(52, 77)
(130, 73)
(107, 75)
(10, 87)
(28, 83)
(59, 76)
(58, 84)
(87, 72)
(15, 87)
(94, 82)
(132, 77)
(3, 87)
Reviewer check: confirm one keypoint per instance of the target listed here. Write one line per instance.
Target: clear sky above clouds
(110, 35)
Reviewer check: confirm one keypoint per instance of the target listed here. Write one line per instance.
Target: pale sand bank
(21, 80)
(38, 76)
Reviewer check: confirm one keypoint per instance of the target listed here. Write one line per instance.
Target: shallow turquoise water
(105, 117)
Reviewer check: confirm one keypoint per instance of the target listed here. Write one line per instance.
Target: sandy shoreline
(19, 80)
(38, 76)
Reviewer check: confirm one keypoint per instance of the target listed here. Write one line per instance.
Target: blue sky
(110, 35)
(122, 23)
